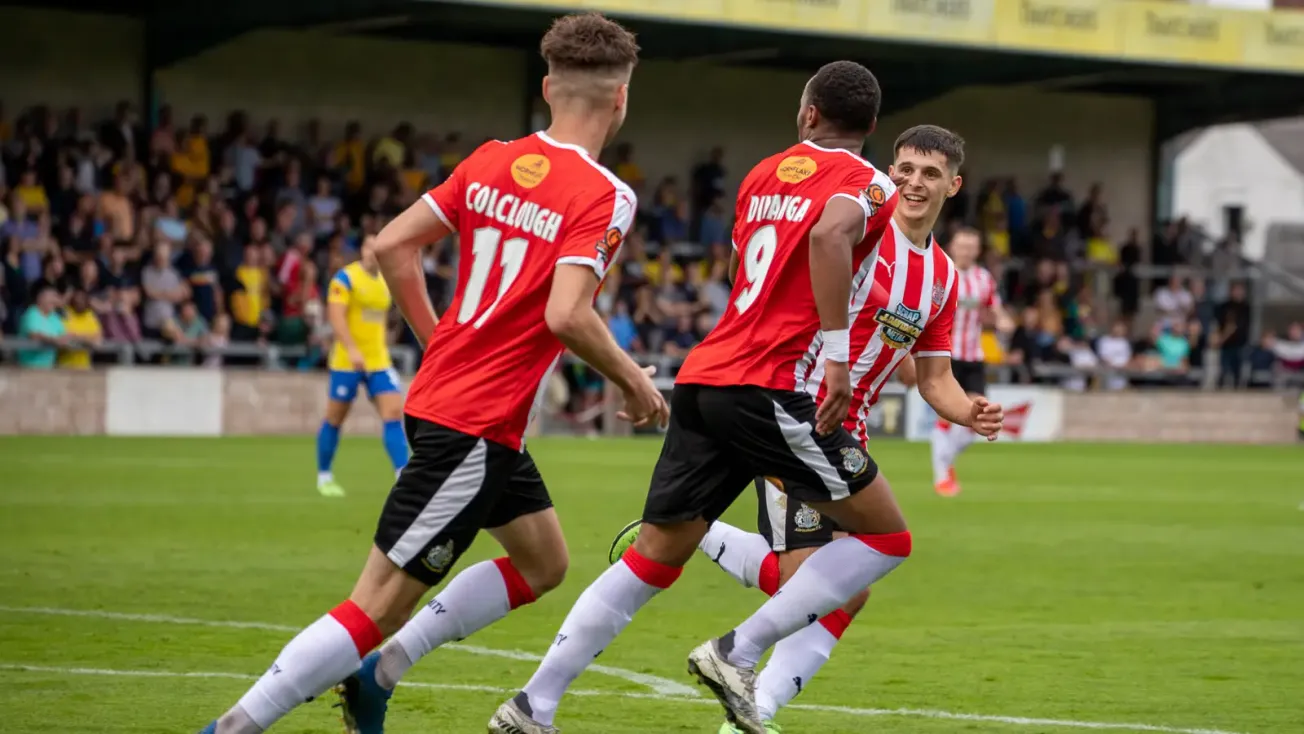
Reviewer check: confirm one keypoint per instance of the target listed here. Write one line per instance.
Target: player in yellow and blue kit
(357, 304)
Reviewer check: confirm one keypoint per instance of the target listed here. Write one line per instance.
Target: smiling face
(925, 180)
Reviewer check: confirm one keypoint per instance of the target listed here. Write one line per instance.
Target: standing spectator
(627, 170)
(427, 161)
(1092, 215)
(1174, 302)
(122, 136)
(1233, 335)
(192, 161)
(1127, 286)
(390, 152)
(350, 158)
(89, 280)
(1262, 361)
(1054, 198)
(1051, 240)
(64, 198)
(163, 142)
(272, 148)
(297, 275)
(164, 290)
(1017, 209)
(250, 295)
(115, 208)
(205, 280)
(679, 337)
(1116, 353)
(54, 276)
(244, 160)
(714, 229)
(170, 225)
(228, 248)
(83, 331)
(41, 323)
(1203, 308)
(1223, 261)
(283, 229)
(323, 208)
(707, 185)
(622, 328)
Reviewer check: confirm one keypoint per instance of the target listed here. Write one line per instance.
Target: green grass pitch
(1068, 586)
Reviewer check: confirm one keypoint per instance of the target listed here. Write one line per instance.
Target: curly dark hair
(933, 139)
(847, 95)
(588, 42)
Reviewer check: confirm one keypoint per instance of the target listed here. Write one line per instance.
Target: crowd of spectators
(199, 238)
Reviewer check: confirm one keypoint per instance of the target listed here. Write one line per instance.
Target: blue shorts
(344, 383)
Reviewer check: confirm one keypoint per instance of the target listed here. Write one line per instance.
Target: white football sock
(961, 439)
(324, 476)
(796, 659)
(942, 449)
(599, 615)
(737, 551)
(827, 580)
(322, 655)
(475, 598)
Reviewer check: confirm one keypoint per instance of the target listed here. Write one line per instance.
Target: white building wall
(1232, 165)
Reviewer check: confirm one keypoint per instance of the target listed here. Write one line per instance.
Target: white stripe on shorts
(778, 515)
(457, 491)
(801, 440)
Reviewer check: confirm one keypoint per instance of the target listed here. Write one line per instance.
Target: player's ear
(622, 96)
(956, 183)
(547, 93)
(872, 127)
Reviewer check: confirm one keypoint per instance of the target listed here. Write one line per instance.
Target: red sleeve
(446, 198)
(936, 339)
(876, 195)
(597, 228)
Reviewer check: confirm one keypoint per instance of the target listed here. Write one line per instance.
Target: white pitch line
(844, 710)
(662, 686)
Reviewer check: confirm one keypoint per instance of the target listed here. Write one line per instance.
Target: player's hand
(986, 418)
(356, 359)
(644, 404)
(837, 398)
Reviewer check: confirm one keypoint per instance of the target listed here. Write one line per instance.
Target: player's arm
(338, 297)
(907, 373)
(840, 227)
(398, 252)
(937, 384)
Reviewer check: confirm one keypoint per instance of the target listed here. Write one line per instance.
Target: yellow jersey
(366, 300)
(79, 324)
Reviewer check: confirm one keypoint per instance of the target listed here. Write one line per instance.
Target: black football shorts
(454, 485)
(721, 438)
(972, 376)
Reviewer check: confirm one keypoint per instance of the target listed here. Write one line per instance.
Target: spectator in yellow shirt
(192, 161)
(350, 156)
(30, 191)
(250, 298)
(82, 328)
(626, 169)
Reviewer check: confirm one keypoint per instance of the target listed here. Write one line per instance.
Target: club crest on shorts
(854, 461)
(439, 558)
(806, 519)
(900, 327)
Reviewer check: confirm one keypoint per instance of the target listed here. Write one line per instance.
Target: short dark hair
(588, 42)
(933, 139)
(969, 230)
(847, 95)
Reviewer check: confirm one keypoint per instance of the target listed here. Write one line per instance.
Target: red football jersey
(903, 301)
(977, 294)
(520, 209)
(770, 334)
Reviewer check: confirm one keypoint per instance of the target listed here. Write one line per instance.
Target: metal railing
(268, 356)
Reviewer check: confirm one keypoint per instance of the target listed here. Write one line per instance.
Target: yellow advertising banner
(1177, 32)
(1275, 40)
(827, 16)
(1075, 27)
(938, 21)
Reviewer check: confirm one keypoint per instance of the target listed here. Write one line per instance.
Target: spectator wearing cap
(41, 323)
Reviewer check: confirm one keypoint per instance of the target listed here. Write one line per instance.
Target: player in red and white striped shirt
(978, 305)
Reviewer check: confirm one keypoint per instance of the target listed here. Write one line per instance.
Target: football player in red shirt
(539, 222)
(766, 394)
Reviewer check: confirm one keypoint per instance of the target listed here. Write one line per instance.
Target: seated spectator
(218, 338)
(164, 288)
(1081, 357)
(1262, 361)
(349, 159)
(187, 330)
(1174, 302)
(301, 293)
(83, 331)
(1171, 348)
(291, 195)
(89, 282)
(170, 223)
(1115, 352)
(191, 161)
(1290, 350)
(679, 337)
(715, 226)
(54, 276)
(41, 323)
(81, 232)
(243, 159)
(627, 170)
(30, 191)
(64, 197)
(205, 280)
(622, 328)
(163, 141)
(120, 323)
(116, 209)
(713, 295)
(323, 208)
(647, 318)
